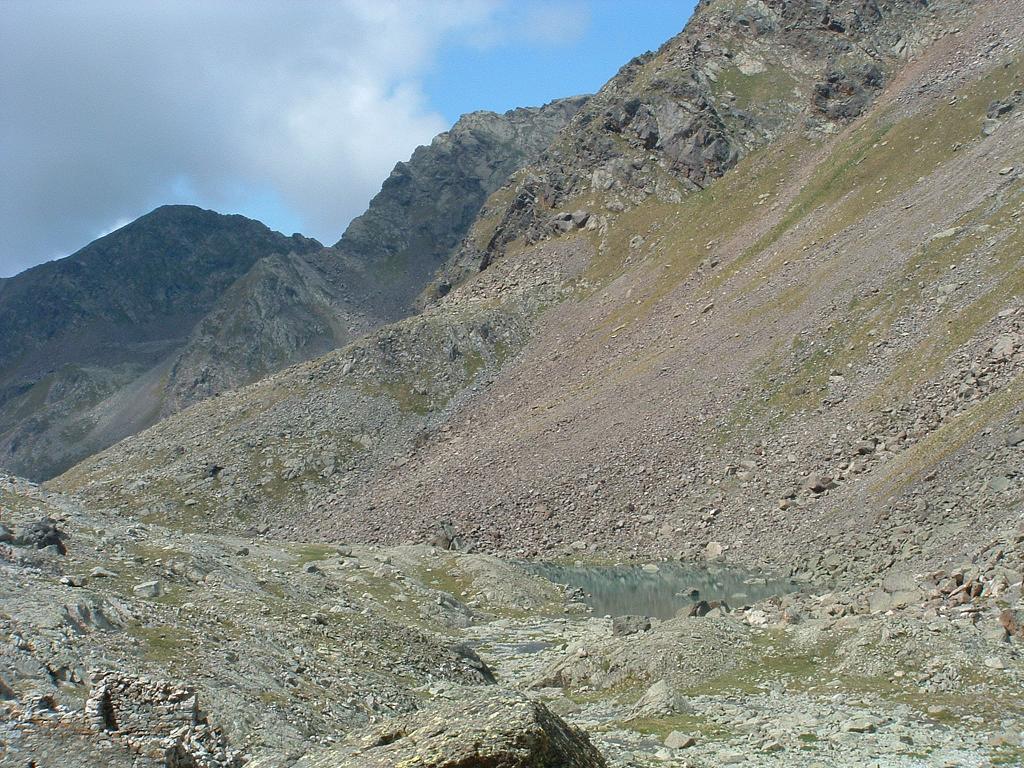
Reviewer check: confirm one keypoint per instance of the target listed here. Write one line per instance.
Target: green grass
(702, 729)
(311, 553)
(883, 158)
(404, 392)
(165, 644)
(773, 85)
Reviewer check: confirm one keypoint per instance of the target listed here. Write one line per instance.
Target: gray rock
(679, 740)
(660, 700)
(819, 483)
(705, 608)
(41, 534)
(481, 729)
(1015, 438)
(148, 589)
(1012, 622)
(862, 724)
(630, 625)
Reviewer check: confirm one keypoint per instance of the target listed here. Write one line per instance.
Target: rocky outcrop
(127, 721)
(427, 205)
(159, 720)
(499, 730)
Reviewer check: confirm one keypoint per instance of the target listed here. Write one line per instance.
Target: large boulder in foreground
(490, 729)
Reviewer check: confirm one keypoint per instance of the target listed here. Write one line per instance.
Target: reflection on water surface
(660, 591)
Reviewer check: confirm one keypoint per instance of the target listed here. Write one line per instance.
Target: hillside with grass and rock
(745, 337)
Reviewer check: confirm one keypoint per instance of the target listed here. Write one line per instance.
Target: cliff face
(427, 205)
(183, 304)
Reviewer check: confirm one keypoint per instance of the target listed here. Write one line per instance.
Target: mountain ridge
(245, 323)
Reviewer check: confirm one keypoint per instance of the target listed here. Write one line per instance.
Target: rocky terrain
(183, 304)
(751, 320)
(126, 642)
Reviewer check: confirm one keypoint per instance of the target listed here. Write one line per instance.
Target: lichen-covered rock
(503, 730)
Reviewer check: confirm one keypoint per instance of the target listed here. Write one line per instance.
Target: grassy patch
(883, 158)
(405, 393)
(773, 85)
(446, 578)
(699, 727)
(311, 553)
(164, 644)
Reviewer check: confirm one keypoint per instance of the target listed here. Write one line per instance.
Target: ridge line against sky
(290, 113)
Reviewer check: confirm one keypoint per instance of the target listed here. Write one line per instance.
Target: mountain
(743, 296)
(286, 313)
(427, 205)
(707, 436)
(183, 304)
(103, 323)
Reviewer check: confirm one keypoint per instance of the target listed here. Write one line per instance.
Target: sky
(289, 112)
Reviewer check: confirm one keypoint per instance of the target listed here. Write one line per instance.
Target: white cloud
(109, 105)
(542, 22)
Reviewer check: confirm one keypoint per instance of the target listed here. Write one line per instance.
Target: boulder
(704, 608)
(87, 615)
(1004, 346)
(499, 730)
(660, 700)
(1013, 622)
(447, 538)
(863, 724)
(629, 625)
(819, 483)
(41, 534)
(713, 551)
(148, 589)
(679, 740)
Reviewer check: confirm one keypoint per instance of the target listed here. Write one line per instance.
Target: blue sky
(579, 58)
(291, 113)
